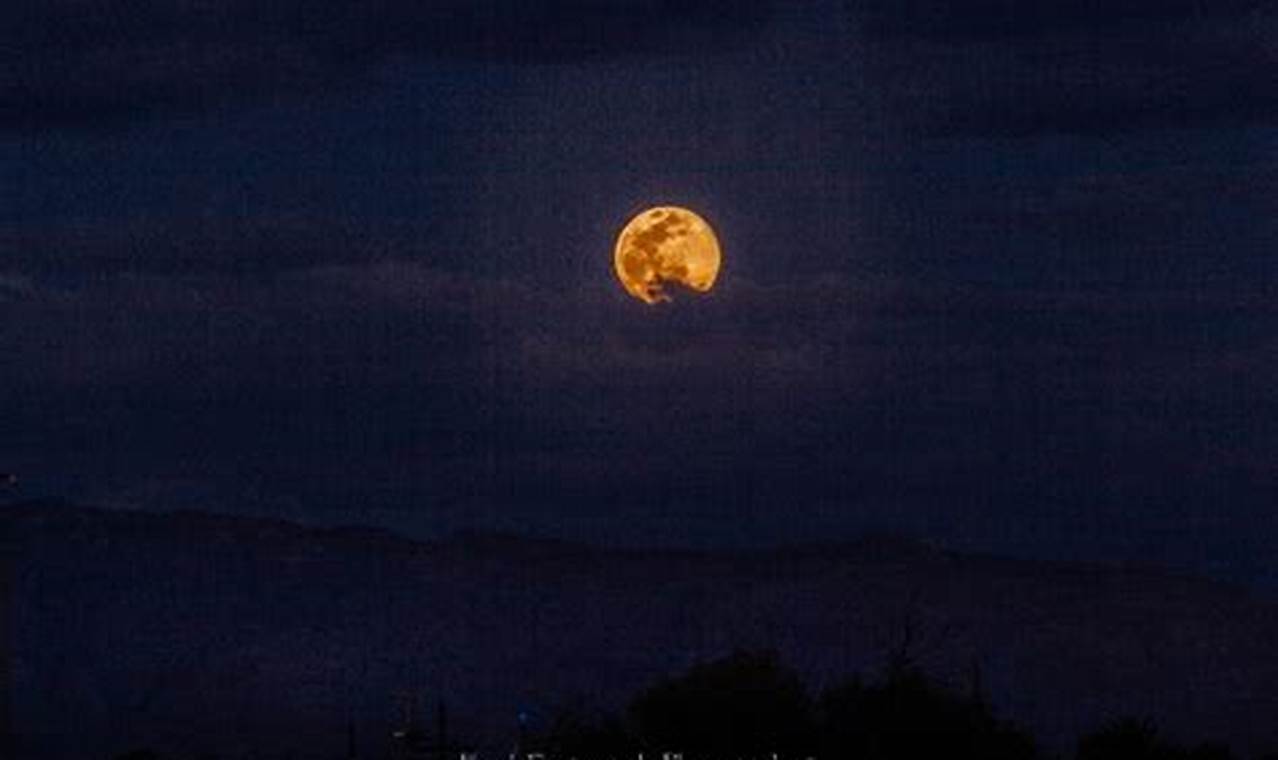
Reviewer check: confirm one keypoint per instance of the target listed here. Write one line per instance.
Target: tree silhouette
(1210, 751)
(1125, 739)
(1138, 739)
(906, 716)
(745, 705)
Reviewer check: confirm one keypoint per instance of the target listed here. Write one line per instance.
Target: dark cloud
(1107, 224)
(83, 63)
(16, 288)
(968, 19)
(1025, 70)
(204, 244)
(454, 398)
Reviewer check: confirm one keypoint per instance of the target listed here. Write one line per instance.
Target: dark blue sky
(999, 274)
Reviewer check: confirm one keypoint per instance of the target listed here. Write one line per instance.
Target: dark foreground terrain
(193, 632)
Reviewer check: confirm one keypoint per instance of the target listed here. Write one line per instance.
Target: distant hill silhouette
(176, 630)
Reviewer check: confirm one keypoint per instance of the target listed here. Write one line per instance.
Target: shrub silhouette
(905, 716)
(750, 705)
(1210, 751)
(745, 705)
(1125, 739)
(1135, 739)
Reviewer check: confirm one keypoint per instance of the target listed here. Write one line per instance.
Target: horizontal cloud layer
(84, 63)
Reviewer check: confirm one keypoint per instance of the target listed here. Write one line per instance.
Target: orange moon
(664, 245)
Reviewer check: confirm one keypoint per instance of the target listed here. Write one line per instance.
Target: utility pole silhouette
(441, 729)
(8, 740)
(351, 753)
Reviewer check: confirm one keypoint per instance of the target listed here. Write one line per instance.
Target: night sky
(997, 274)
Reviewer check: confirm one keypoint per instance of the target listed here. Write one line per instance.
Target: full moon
(664, 245)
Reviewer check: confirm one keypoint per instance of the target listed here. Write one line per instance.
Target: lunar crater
(663, 247)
